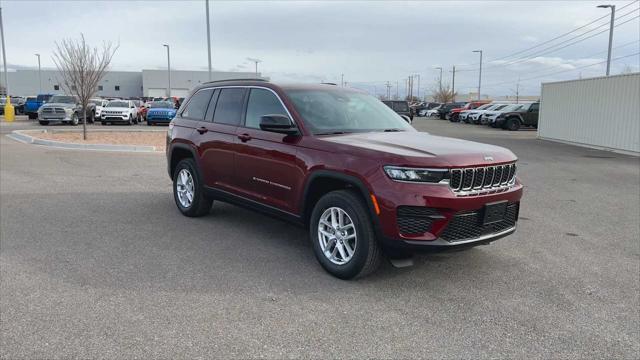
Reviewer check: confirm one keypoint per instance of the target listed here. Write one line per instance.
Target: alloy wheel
(185, 188)
(337, 235)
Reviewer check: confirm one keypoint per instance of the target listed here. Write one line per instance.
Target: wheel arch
(177, 153)
(321, 182)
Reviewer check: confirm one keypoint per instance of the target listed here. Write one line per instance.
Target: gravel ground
(146, 138)
(96, 262)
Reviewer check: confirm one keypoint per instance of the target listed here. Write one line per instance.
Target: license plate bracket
(494, 212)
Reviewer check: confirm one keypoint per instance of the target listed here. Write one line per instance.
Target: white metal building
(601, 112)
(120, 83)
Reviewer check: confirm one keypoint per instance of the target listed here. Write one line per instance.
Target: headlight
(68, 111)
(415, 174)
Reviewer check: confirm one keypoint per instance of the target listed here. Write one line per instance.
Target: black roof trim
(227, 80)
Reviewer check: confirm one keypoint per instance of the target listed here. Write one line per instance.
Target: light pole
(453, 84)
(208, 39)
(4, 56)
(256, 61)
(480, 73)
(168, 70)
(39, 76)
(440, 68)
(613, 14)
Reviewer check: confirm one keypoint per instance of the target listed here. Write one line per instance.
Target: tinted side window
(197, 106)
(534, 107)
(262, 102)
(400, 106)
(229, 106)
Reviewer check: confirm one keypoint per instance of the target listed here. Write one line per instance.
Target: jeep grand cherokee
(343, 164)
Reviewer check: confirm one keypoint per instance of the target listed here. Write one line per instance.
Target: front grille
(416, 219)
(481, 179)
(468, 225)
(53, 111)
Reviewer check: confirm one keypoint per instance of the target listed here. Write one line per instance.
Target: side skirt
(234, 199)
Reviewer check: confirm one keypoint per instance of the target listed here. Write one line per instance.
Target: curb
(20, 136)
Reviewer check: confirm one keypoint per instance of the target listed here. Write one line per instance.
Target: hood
(161, 110)
(423, 149)
(62, 105)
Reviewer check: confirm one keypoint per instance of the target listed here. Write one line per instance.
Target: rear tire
(366, 253)
(188, 191)
(43, 123)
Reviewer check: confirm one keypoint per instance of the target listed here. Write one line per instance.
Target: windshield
(334, 111)
(161, 104)
(500, 107)
(118, 104)
(62, 99)
(513, 107)
(484, 107)
(98, 102)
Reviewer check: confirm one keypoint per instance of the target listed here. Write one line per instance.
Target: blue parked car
(160, 112)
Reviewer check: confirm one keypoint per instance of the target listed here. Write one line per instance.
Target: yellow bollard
(9, 111)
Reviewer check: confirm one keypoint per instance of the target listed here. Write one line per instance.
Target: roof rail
(248, 79)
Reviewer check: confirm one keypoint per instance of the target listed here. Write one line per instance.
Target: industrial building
(600, 112)
(124, 84)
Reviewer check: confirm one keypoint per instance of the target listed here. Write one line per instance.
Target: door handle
(202, 130)
(244, 137)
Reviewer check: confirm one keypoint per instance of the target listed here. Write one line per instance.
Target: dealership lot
(96, 261)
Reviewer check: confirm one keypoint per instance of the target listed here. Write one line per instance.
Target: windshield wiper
(332, 133)
(392, 130)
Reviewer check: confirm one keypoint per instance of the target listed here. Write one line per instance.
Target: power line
(564, 71)
(554, 49)
(550, 40)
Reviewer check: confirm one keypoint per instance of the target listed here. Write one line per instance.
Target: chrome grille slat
(483, 179)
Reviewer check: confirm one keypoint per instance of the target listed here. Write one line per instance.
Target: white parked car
(431, 112)
(475, 116)
(100, 104)
(465, 113)
(119, 111)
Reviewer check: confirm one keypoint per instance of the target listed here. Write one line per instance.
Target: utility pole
(4, 56)
(440, 79)
(208, 38)
(39, 76)
(480, 73)
(453, 84)
(613, 14)
(388, 91)
(518, 91)
(397, 90)
(256, 61)
(418, 75)
(168, 70)
(342, 80)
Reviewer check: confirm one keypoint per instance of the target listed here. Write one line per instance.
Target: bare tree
(443, 94)
(81, 68)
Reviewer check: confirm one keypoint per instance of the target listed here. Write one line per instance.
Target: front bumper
(162, 119)
(436, 217)
(54, 117)
(114, 117)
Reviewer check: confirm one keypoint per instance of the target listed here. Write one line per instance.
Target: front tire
(43, 123)
(188, 191)
(74, 120)
(344, 241)
(512, 124)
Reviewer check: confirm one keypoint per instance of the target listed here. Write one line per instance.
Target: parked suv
(526, 115)
(338, 161)
(402, 108)
(454, 114)
(444, 110)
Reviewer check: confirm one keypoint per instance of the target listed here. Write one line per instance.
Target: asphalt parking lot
(96, 261)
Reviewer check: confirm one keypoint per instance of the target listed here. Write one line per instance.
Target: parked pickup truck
(33, 103)
(65, 109)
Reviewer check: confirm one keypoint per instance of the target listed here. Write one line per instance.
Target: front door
(268, 169)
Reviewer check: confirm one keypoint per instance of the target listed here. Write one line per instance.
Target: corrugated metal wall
(601, 112)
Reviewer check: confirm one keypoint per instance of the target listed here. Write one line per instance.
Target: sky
(370, 42)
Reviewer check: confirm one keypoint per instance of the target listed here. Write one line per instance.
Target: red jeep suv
(340, 162)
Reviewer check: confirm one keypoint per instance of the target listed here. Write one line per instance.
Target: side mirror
(278, 124)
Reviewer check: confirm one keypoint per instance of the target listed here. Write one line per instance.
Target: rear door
(217, 135)
(268, 168)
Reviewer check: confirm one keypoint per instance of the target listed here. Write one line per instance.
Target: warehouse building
(124, 84)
